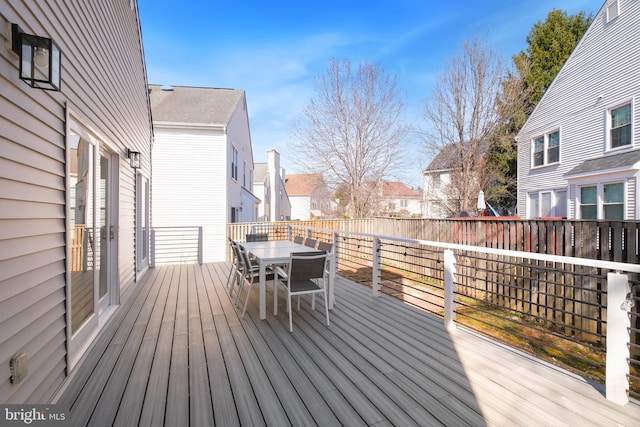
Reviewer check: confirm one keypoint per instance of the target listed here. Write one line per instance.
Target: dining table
(278, 252)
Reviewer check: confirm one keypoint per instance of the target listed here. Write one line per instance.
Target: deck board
(178, 352)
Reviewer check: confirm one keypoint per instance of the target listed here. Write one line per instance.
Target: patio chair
(309, 242)
(251, 275)
(233, 271)
(257, 237)
(325, 246)
(238, 268)
(298, 239)
(306, 274)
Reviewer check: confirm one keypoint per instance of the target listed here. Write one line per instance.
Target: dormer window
(613, 10)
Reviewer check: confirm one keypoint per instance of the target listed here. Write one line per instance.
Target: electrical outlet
(18, 366)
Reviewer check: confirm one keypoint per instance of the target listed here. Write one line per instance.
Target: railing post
(449, 290)
(375, 268)
(200, 248)
(152, 262)
(619, 302)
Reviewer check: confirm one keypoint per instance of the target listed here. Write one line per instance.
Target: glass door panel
(82, 238)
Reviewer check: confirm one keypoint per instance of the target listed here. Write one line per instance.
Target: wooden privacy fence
(604, 240)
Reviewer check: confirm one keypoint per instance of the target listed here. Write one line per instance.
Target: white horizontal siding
(600, 73)
(189, 185)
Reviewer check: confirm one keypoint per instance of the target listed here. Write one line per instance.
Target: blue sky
(273, 49)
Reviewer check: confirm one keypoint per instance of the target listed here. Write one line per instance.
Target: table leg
(332, 276)
(263, 291)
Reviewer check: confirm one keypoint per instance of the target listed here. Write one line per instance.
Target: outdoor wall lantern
(39, 59)
(134, 158)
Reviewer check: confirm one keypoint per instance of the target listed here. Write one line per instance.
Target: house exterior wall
(433, 196)
(193, 185)
(189, 184)
(406, 206)
(103, 89)
(238, 136)
(600, 74)
(300, 207)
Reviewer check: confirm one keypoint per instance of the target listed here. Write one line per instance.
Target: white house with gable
(203, 162)
(579, 151)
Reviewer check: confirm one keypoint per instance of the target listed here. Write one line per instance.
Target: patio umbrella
(481, 204)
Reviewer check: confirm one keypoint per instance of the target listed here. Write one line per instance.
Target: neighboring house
(309, 195)
(437, 177)
(73, 212)
(269, 187)
(398, 200)
(579, 151)
(202, 162)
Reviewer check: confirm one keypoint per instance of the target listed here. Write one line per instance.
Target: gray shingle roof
(615, 161)
(197, 105)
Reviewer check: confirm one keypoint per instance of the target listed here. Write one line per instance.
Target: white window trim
(608, 125)
(545, 162)
(554, 201)
(600, 197)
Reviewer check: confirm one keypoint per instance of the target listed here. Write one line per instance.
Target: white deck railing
(371, 251)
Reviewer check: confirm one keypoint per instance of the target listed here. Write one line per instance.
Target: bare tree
(462, 113)
(351, 130)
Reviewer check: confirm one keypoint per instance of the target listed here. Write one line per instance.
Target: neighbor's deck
(177, 353)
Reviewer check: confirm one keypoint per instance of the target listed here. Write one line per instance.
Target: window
(620, 123)
(533, 205)
(437, 182)
(553, 147)
(235, 215)
(589, 202)
(538, 151)
(142, 217)
(234, 164)
(546, 149)
(548, 203)
(613, 10)
(614, 201)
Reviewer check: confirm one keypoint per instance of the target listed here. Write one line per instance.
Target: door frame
(78, 342)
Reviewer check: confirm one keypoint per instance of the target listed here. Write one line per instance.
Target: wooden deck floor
(177, 353)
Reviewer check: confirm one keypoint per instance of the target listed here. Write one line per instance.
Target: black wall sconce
(39, 59)
(134, 158)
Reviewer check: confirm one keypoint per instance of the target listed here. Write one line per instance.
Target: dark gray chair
(325, 246)
(251, 275)
(311, 243)
(306, 274)
(235, 268)
(298, 239)
(257, 237)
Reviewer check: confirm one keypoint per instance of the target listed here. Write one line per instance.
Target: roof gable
(303, 184)
(397, 190)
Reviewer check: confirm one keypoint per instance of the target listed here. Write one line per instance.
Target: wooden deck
(177, 353)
